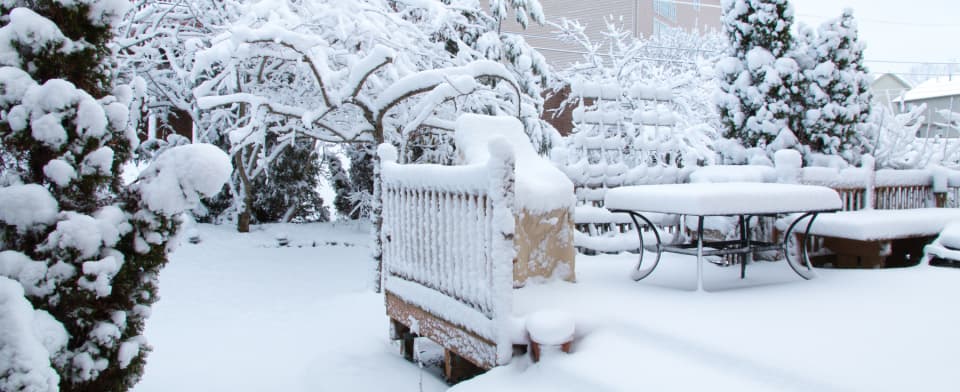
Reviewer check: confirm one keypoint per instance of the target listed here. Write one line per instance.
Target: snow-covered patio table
(735, 199)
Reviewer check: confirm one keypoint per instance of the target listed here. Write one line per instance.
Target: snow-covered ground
(239, 313)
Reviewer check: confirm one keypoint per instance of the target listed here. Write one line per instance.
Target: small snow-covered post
(940, 185)
(502, 252)
(788, 163)
(868, 164)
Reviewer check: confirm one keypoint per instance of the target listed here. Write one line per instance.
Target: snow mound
(550, 327)
(540, 186)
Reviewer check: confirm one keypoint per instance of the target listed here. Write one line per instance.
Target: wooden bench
(888, 218)
(879, 238)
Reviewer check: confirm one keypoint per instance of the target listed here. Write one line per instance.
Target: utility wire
(692, 49)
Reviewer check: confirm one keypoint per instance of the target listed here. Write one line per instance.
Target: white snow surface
(728, 198)
(540, 186)
(303, 318)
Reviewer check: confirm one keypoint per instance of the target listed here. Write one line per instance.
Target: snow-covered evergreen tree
(290, 191)
(838, 97)
(361, 178)
(340, 182)
(85, 248)
(761, 85)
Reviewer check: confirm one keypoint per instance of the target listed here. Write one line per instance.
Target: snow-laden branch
(441, 85)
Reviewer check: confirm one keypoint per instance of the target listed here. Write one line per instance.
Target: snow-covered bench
(456, 241)
(888, 217)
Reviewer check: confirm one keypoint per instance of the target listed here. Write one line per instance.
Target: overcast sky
(894, 30)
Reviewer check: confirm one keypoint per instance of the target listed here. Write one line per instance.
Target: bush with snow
(84, 248)
(24, 359)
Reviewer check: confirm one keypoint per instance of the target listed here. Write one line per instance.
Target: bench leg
(457, 368)
(401, 332)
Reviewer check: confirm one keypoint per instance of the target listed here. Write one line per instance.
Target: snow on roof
(541, 187)
(895, 77)
(934, 88)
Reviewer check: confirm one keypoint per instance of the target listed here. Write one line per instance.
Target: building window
(666, 9)
(659, 27)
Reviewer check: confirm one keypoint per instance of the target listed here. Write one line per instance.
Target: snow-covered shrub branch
(639, 102)
(156, 45)
(892, 138)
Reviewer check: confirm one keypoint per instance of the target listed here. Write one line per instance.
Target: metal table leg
(744, 242)
(639, 274)
(700, 253)
(804, 255)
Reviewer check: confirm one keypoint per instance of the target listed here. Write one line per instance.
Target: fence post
(868, 164)
(502, 253)
(788, 164)
(940, 186)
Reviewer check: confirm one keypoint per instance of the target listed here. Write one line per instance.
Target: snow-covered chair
(456, 241)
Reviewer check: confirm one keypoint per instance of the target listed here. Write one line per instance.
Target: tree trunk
(243, 217)
(243, 221)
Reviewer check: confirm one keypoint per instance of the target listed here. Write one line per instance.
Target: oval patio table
(732, 199)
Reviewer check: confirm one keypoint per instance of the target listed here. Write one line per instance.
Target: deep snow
(238, 313)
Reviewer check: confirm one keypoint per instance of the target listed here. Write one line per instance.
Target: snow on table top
(731, 198)
(870, 225)
(540, 186)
